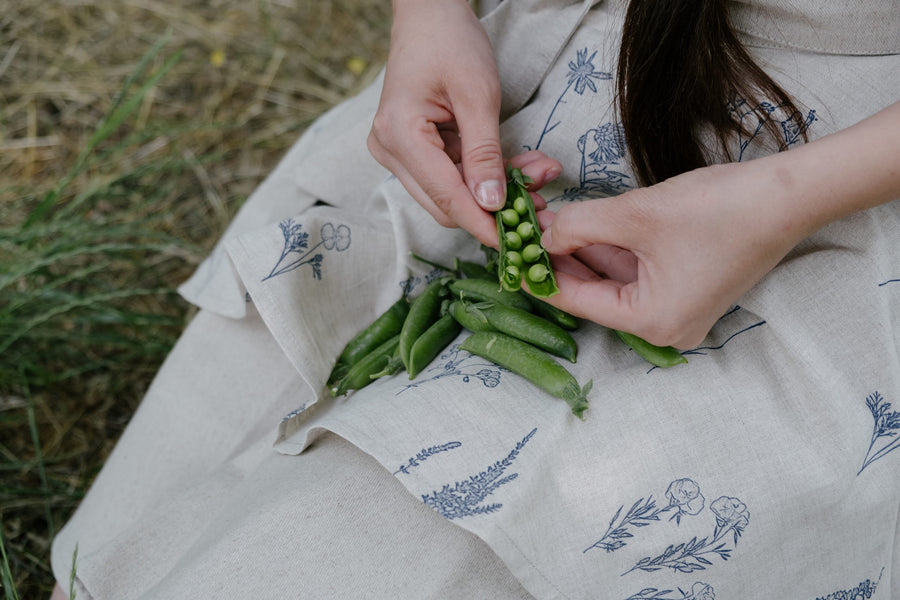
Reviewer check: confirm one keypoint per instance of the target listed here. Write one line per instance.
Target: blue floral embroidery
(865, 589)
(601, 148)
(731, 516)
(453, 365)
(582, 76)
(294, 413)
(464, 498)
(887, 425)
(408, 285)
(704, 350)
(423, 455)
(699, 591)
(296, 241)
(791, 131)
(684, 499)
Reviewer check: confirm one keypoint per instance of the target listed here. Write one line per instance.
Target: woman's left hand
(665, 262)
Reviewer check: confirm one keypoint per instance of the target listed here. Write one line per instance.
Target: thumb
(482, 158)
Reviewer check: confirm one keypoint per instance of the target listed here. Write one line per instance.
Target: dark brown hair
(680, 66)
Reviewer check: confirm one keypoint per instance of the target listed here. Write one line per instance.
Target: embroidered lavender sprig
(887, 425)
(464, 498)
(424, 454)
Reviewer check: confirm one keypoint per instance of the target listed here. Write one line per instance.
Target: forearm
(837, 175)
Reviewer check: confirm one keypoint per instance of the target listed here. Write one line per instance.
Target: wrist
(835, 176)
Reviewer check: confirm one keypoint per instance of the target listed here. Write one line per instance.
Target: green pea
(525, 230)
(514, 258)
(513, 240)
(381, 329)
(533, 364)
(509, 217)
(532, 253)
(537, 273)
(512, 276)
(432, 341)
(520, 205)
(660, 356)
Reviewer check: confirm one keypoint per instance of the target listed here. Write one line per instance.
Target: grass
(130, 133)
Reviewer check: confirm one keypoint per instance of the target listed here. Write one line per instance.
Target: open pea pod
(522, 258)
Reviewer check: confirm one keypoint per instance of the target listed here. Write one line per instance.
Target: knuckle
(381, 127)
(482, 152)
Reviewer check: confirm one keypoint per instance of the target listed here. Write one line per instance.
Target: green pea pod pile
(512, 328)
(521, 255)
(412, 333)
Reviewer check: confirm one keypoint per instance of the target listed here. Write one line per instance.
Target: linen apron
(762, 468)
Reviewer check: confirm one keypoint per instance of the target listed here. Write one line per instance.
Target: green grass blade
(123, 107)
(9, 585)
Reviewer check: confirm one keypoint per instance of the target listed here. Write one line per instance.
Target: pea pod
(432, 341)
(473, 270)
(533, 364)
(387, 325)
(393, 365)
(467, 315)
(364, 371)
(555, 315)
(536, 270)
(530, 328)
(661, 356)
(482, 290)
(424, 310)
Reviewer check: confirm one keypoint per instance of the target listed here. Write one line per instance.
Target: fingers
(610, 261)
(477, 112)
(586, 295)
(454, 206)
(603, 221)
(539, 167)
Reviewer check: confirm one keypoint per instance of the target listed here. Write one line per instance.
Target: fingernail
(545, 238)
(552, 174)
(490, 194)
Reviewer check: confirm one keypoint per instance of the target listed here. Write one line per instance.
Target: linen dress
(762, 468)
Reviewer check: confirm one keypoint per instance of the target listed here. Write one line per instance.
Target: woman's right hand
(437, 123)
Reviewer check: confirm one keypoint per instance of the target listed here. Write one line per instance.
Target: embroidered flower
(582, 74)
(295, 239)
(685, 494)
(609, 142)
(702, 591)
(335, 238)
(297, 253)
(730, 512)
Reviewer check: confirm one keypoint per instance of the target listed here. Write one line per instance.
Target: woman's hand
(437, 124)
(666, 261)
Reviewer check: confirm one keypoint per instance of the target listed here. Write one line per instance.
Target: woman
(764, 468)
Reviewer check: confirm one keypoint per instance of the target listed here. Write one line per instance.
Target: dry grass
(138, 213)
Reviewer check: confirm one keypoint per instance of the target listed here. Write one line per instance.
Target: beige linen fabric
(762, 469)
(230, 518)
